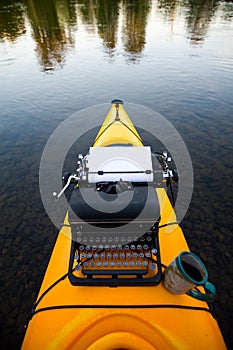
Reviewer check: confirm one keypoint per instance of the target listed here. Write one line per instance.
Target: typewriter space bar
(114, 272)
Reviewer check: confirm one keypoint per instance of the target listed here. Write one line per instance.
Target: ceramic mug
(186, 272)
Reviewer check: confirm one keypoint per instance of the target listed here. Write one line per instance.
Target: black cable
(103, 132)
(156, 306)
(49, 288)
(170, 223)
(134, 133)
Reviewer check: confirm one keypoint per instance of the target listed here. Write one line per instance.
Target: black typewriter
(119, 248)
(114, 216)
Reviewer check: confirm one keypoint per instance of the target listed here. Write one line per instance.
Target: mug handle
(209, 296)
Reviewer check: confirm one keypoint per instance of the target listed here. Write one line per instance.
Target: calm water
(57, 57)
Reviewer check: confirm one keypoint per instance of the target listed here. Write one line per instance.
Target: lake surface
(58, 57)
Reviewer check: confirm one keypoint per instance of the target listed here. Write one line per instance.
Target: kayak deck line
(118, 128)
(92, 306)
(124, 124)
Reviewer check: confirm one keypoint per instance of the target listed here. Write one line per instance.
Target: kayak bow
(103, 285)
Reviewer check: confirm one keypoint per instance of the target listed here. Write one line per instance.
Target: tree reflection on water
(198, 18)
(12, 20)
(134, 26)
(198, 14)
(53, 24)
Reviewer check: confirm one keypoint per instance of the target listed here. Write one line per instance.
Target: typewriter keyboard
(139, 259)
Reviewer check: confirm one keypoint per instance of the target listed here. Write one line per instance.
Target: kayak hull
(107, 318)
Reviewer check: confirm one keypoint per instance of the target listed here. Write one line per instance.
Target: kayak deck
(67, 316)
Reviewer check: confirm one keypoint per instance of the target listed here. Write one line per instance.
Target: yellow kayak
(103, 288)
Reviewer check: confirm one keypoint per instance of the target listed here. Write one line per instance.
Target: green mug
(186, 272)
